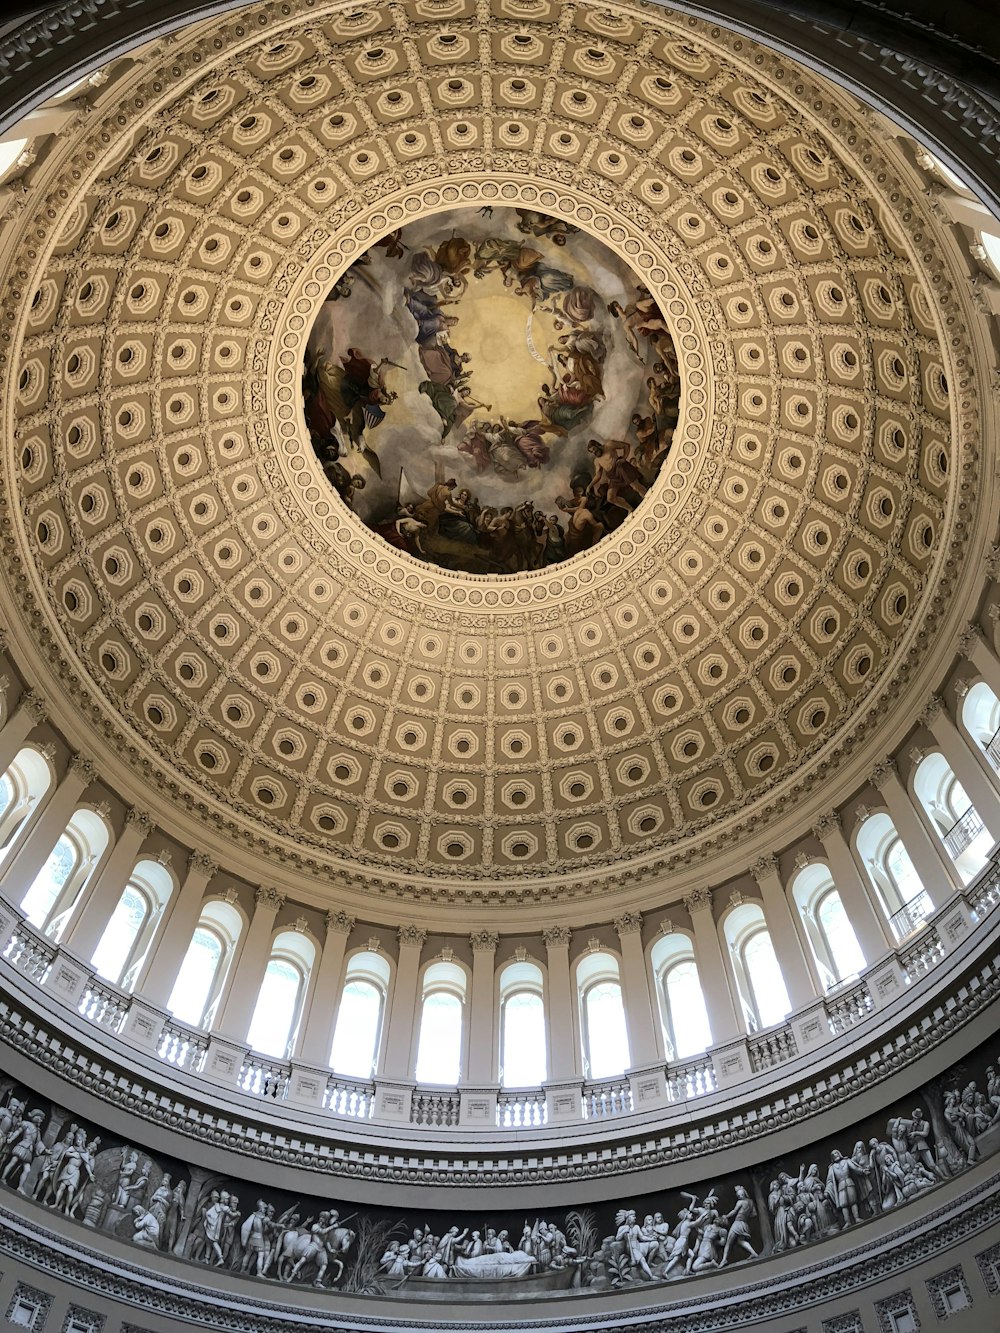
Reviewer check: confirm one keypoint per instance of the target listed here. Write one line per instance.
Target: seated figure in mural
(615, 474)
(540, 224)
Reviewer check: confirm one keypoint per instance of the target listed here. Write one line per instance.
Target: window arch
(26, 782)
(132, 924)
(603, 1030)
(953, 817)
(50, 899)
(755, 966)
(282, 995)
(981, 719)
(900, 891)
(683, 1016)
(831, 936)
(442, 1015)
(202, 975)
(523, 1046)
(360, 1015)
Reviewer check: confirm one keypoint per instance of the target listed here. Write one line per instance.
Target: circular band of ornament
(400, 572)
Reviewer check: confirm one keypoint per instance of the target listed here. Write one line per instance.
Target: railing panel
(522, 1109)
(29, 953)
(264, 1078)
(103, 1005)
(911, 916)
(434, 1108)
(770, 1049)
(963, 832)
(849, 1007)
(349, 1097)
(695, 1078)
(182, 1047)
(607, 1099)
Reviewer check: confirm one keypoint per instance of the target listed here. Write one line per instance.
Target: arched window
(282, 994)
(893, 875)
(22, 788)
(831, 936)
(603, 1030)
(360, 1015)
(202, 974)
(755, 966)
(953, 816)
(523, 1057)
(678, 990)
(442, 1011)
(50, 900)
(130, 930)
(981, 719)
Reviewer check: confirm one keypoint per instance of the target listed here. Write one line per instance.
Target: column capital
(34, 705)
(932, 710)
(767, 865)
(484, 941)
(826, 825)
(139, 820)
(201, 864)
(884, 770)
(698, 900)
(270, 899)
(971, 635)
(411, 937)
(82, 767)
(339, 923)
(557, 937)
(629, 923)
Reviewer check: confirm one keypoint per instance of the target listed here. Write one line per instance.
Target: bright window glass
(6, 794)
(439, 1052)
(607, 1036)
(277, 1007)
(524, 1062)
(40, 899)
(111, 956)
(845, 952)
(355, 1039)
(903, 871)
(194, 980)
(765, 978)
(686, 1005)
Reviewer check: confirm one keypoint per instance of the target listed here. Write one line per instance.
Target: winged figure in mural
(350, 396)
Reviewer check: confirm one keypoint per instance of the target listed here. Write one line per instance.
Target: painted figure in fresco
(540, 224)
(24, 1148)
(615, 475)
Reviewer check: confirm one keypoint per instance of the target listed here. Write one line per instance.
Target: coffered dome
(232, 635)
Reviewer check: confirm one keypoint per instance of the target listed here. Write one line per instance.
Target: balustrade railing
(521, 1109)
(607, 1099)
(349, 1097)
(109, 1008)
(911, 916)
(992, 749)
(439, 1109)
(963, 833)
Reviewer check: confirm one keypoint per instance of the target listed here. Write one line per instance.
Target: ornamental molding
(764, 868)
(411, 937)
(885, 771)
(557, 937)
(139, 821)
(269, 899)
(931, 711)
(699, 900)
(629, 923)
(82, 769)
(34, 705)
(202, 865)
(484, 941)
(339, 923)
(827, 826)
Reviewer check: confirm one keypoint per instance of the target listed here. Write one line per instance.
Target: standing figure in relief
(738, 1219)
(841, 1187)
(170, 1233)
(254, 1235)
(45, 1185)
(448, 1247)
(683, 1234)
(636, 1244)
(25, 1148)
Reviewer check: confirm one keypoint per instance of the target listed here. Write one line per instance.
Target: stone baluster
(28, 714)
(163, 961)
(635, 992)
(967, 767)
(248, 973)
(784, 932)
(405, 1008)
(868, 928)
(321, 1021)
(934, 867)
(482, 1024)
(100, 897)
(712, 972)
(20, 873)
(564, 1052)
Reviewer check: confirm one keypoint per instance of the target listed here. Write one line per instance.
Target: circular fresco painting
(491, 390)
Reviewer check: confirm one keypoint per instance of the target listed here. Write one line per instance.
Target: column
(973, 646)
(868, 927)
(163, 961)
(101, 897)
(482, 1019)
(784, 934)
(37, 847)
(234, 1021)
(317, 1034)
(712, 972)
(28, 714)
(965, 765)
(936, 869)
(403, 1014)
(563, 1046)
(635, 993)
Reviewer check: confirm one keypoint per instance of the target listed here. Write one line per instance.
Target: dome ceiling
(265, 654)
